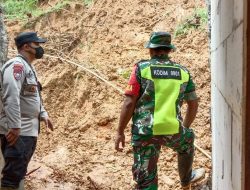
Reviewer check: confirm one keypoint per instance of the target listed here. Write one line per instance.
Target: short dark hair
(20, 47)
(162, 49)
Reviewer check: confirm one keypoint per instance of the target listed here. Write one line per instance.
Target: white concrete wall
(227, 92)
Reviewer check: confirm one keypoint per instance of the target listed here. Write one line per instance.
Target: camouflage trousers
(146, 153)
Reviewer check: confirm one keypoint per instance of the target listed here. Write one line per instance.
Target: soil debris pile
(107, 37)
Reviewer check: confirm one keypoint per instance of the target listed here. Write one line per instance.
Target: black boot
(185, 162)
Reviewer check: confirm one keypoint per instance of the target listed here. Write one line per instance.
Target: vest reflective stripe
(167, 91)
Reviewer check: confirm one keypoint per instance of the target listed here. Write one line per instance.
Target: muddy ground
(107, 37)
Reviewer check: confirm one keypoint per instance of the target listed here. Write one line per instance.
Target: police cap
(26, 37)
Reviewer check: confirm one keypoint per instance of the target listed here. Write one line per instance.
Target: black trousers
(17, 158)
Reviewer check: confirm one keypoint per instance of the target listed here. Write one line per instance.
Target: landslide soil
(107, 37)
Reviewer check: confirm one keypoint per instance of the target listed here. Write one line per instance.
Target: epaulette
(142, 60)
(179, 65)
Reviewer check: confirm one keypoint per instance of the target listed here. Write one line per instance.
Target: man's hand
(48, 123)
(13, 135)
(120, 138)
(126, 114)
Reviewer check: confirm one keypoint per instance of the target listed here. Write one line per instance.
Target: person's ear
(26, 47)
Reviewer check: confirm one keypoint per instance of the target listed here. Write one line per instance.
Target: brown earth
(107, 37)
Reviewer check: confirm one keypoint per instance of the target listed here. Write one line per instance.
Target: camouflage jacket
(164, 85)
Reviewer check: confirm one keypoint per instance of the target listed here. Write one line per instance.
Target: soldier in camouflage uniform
(156, 90)
(21, 110)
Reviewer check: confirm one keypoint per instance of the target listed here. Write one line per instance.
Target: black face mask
(39, 52)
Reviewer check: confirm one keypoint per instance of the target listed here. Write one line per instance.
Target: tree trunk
(3, 57)
(3, 39)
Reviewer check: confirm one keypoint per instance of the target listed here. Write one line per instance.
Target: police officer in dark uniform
(21, 110)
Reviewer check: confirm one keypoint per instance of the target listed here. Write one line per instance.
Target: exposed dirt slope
(107, 37)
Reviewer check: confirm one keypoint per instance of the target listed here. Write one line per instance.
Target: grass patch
(56, 8)
(23, 9)
(124, 73)
(16, 9)
(87, 2)
(198, 20)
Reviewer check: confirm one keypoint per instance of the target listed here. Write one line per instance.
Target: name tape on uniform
(166, 73)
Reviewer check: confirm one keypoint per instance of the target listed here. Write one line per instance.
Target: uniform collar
(162, 57)
(21, 56)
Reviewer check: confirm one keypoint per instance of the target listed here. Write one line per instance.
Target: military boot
(8, 188)
(21, 187)
(185, 162)
(197, 175)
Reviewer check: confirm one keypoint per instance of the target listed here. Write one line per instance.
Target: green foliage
(21, 10)
(125, 74)
(60, 5)
(87, 2)
(202, 13)
(15, 9)
(198, 20)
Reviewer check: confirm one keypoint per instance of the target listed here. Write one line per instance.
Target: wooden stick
(32, 171)
(88, 70)
(202, 151)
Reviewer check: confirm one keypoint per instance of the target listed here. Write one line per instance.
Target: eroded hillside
(107, 37)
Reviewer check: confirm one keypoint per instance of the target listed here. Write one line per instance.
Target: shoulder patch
(129, 87)
(18, 70)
